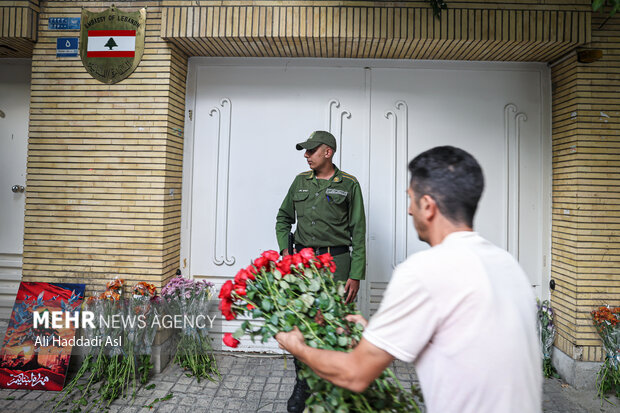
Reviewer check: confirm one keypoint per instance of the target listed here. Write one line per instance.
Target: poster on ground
(37, 358)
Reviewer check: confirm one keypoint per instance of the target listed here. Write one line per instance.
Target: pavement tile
(267, 407)
(262, 384)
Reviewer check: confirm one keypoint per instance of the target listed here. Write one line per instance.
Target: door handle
(17, 188)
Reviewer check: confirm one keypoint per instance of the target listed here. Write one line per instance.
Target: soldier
(330, 216)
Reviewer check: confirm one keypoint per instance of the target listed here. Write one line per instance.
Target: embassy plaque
(112, 43)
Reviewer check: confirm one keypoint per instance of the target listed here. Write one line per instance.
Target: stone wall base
(579, 374)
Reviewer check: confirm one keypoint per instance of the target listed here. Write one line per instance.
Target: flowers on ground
(299, 290)
(117, 356)
(190, 299)
(546, 334)
(605, 321)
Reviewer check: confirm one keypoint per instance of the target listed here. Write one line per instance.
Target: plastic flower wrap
(606, 323)
(144, 303)
(299, 290)
(190, 299)
(121, 354)
(546, 334)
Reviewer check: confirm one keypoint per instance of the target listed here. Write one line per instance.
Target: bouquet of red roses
(299, 290)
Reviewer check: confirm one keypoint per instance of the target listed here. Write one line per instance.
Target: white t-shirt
(464, 312)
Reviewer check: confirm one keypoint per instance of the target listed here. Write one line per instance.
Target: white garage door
(247, 115)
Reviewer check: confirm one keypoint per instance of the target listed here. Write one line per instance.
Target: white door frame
(542, 290)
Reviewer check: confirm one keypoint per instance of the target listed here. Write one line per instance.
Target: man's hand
(350, 289)
(358, 319)
(292, 341)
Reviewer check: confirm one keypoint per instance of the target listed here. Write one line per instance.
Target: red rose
(229, 340)
(270, 255)
(226, 309)
(240, 289)
(240, 284)
(325, 258)
(242, 276)
(296, 259)
(284, 266)
(226, 290)
(332, 267)
(261, 262)
(251, 307)
(251, 272)
(307, 254)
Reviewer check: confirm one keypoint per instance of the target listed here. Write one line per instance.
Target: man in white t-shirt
(463, 311)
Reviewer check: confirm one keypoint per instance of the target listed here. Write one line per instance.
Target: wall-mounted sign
(63, 23)
(112, 43)
(66, 47)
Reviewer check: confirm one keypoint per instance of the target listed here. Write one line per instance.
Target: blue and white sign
(67, 47)
(63, 23)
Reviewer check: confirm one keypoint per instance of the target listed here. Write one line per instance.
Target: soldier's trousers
(343, 266)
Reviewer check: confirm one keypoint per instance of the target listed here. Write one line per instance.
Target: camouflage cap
(316, 138)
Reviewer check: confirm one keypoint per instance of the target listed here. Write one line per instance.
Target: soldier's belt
(341, 249)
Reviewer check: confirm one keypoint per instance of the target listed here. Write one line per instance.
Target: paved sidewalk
(254, 383)
(261, 383)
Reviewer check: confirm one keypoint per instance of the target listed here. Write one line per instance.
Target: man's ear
(428, 206)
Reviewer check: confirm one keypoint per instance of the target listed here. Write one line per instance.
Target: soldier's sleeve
(357, 227)
(285, 219)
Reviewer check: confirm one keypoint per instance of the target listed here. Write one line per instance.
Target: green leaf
(240, 332)
(290, 278)
(287, 328)
(298, 305)
(284, 285)
(245, 325)
(315, 285)
(266, 305)
(307, 299)
(274, 319)
(323, 299)
(331, 338)
(282, 301)
(343, 341)
(597, 4)
(257, 313)
(150, 386)
(290, 318)
(272, 328)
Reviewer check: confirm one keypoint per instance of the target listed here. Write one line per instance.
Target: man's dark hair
(452, 177)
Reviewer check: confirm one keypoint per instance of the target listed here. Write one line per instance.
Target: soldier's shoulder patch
(351, 177)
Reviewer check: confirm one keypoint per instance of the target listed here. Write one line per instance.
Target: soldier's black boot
(301, 392)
